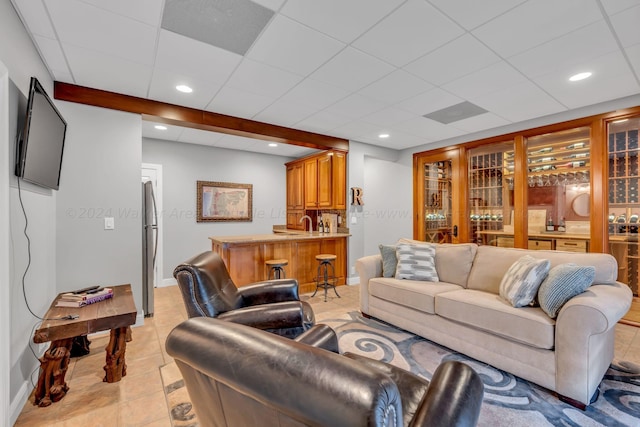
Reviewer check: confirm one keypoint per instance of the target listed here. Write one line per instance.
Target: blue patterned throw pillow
(389, 260)
(564, 282)
(416, 262)
(520, 283)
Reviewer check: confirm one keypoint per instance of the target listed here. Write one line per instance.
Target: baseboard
(16, 405)
(168, 282)
(353, 280)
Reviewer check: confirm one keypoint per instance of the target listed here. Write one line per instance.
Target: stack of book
(73, 299)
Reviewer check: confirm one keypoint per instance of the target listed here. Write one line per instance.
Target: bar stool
(275, 267)
(323, 279)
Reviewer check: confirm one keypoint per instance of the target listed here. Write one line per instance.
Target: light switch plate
(354, 220)
(109, 223)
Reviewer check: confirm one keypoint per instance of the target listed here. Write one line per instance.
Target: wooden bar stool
(276, 267)
(323, 278)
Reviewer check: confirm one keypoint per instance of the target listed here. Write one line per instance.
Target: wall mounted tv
(41, 143)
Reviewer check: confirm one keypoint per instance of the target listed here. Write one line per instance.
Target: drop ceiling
(346, 68)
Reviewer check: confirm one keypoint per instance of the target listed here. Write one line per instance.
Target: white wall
(183, 165)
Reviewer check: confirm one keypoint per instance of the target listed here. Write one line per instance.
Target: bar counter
(245, 255)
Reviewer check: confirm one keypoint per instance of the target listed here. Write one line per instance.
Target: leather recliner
(241, 376)
(273, 305)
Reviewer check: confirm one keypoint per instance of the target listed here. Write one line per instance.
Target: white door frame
(5, 300)
(159, 280)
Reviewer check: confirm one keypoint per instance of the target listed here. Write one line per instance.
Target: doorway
(153, 172)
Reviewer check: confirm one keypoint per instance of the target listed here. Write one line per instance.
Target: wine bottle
(542, 168)
(562, 226)
(574, 165)
(542, 150)
(550, 224)
(574, 146)
(576, 156)
(543, 159)
(320, 226)
(339, 219)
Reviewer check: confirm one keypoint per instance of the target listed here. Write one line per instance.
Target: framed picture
(224, 201)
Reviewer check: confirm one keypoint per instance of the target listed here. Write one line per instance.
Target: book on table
(71, 299)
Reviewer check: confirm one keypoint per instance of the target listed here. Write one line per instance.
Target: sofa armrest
(584, 343)
(281, 315)
(367, 267)
(267, 292)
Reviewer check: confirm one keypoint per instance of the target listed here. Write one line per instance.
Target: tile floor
(138, 400)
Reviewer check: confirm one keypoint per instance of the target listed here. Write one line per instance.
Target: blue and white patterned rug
(508, 400)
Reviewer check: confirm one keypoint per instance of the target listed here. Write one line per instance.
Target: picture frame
(224, 201)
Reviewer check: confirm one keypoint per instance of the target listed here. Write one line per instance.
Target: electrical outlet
(109, 223)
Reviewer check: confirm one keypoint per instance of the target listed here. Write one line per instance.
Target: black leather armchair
(273, 305)
(254, 378)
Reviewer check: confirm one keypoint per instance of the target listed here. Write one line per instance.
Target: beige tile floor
(138, 400)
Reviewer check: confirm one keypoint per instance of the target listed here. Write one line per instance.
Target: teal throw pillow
(389, 260)
(564, 282)
(520, 283)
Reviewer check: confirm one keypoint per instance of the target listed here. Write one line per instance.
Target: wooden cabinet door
(338, 248)
(311, 184)
(325, 181)
(293, 219)
(295, 186)
(339, 184)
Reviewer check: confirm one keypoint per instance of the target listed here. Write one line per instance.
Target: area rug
(508, 400)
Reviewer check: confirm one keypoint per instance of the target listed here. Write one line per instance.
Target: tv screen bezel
(23, 142)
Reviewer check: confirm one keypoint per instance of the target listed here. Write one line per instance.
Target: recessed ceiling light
(184, 88)
(160, 127)
(580, 76)
(383, 135)
(273, 144)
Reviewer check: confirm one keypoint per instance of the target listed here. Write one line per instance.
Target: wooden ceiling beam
(162, 112)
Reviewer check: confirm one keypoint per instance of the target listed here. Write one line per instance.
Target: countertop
(288, 235)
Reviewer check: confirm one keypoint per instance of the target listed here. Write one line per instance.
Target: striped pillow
(520, 283)
(564, 282)
(416, 262)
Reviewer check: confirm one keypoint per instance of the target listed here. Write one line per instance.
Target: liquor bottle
(574, 146)
(320, 226)
(550, 225)
(576, 156)
(562, 226)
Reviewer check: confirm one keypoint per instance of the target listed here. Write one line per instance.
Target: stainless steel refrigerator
(149, 246)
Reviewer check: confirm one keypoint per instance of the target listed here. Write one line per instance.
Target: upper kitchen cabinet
(295, 192)
(319, 180)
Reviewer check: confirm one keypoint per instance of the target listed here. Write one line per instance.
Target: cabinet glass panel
(559, 191)
(491, 194)
(624, 206)
(437, 197)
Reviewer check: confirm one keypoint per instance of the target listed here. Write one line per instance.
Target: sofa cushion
(522, 280)
(415, 294)
(492, 262)
(389, 260)
(489, 312)
(416, 262)
(564, 282)
(453, 261)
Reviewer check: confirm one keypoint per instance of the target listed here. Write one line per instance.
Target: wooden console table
(117, 314)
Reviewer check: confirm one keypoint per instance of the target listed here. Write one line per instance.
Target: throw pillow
(389, 260)
(564, 282)
(416, 262)
(520, 283)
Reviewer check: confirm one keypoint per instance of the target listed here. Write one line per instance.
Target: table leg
(53, 367)
(115, 367)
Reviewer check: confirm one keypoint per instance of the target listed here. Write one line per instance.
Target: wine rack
(437, 187)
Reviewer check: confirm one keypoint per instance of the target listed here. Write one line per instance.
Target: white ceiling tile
(485, 81)
(172, 133)
(114, 74)
(356, 106)
(237, 102)
(409, 32)
(457, 58)
(36, 18)
(294, 47)
(285, 113)
(470, 14)
(535, 22)
(397, 140)
(52, 53)
(163, 88)
(427, 128)
(395, 87)
(147, 11)
(388, 116)
(322, 121)
(482, 122)
(270, 4)
(199, 136)
(180, 54)
(611, 79)
(314, 94)
(633, 53)
(576, 47)
(103, 31)
(344, 20)
(355, 128)
(352, 70)
(521, 102)
(427, 102)
(262, 79)
(626, 24)
(615, 6)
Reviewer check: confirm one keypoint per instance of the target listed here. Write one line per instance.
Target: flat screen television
(41, 143)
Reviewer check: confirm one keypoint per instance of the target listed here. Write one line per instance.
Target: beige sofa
(463, 311)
